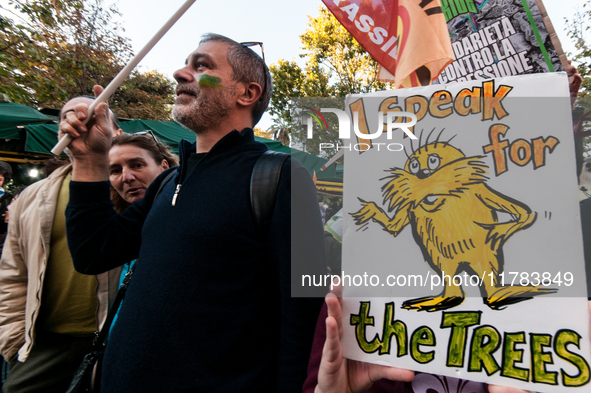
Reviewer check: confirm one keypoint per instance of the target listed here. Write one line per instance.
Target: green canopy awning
(40, 139)
(13, 115)
(169, 132)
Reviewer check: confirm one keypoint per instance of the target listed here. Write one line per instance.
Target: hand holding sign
(337, 374)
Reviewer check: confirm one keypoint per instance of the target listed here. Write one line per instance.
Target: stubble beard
(204, 111)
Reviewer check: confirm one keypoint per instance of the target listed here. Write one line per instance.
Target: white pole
(115, 83)
(333, 159)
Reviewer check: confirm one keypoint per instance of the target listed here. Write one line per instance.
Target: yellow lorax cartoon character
(452, 212)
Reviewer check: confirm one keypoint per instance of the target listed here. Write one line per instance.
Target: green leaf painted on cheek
(209, 81)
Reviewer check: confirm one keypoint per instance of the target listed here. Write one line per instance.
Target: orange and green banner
(408, 38)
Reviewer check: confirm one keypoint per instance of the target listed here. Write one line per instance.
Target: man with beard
(209, 308)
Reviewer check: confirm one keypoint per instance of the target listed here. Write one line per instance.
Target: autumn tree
(258, 131)
(335, 65)
(578, 28)
(53, 50)
(330, 47)
(145, 95)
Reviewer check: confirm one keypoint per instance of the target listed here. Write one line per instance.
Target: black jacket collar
(233, 138)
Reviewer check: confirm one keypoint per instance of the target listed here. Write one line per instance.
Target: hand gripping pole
(124, 73)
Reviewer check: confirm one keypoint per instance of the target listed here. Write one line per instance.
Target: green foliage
(53, 50)
(148, 95)
(261, 133)
(336, 65)
(279, 131)
(578, 29)
(330, 47)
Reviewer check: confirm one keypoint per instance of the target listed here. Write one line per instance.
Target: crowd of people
(210, 305)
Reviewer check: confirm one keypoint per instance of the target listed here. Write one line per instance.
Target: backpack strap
(264, 181)
(164, 181)
(263, 186)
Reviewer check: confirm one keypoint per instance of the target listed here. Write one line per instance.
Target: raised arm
(371, 211)
(522, 215)
(98, 237)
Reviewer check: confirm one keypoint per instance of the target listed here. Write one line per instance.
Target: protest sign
(462, 249)
(498, 38)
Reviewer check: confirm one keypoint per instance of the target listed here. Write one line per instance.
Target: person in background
(7, 214)
(52, 164)
(48, 311)
(3, 363)
(135, 160)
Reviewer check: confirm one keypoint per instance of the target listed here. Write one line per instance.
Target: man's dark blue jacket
(209, 308)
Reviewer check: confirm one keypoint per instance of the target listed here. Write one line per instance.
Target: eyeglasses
(146, 132)
(248, 44)
(253, 43)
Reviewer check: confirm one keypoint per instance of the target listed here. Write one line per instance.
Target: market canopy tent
(41, 138)
(13, 115)
(13, 118)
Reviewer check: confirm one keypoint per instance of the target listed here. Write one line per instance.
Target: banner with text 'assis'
(407, 37)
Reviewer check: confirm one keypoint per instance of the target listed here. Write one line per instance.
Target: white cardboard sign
(462, 250)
